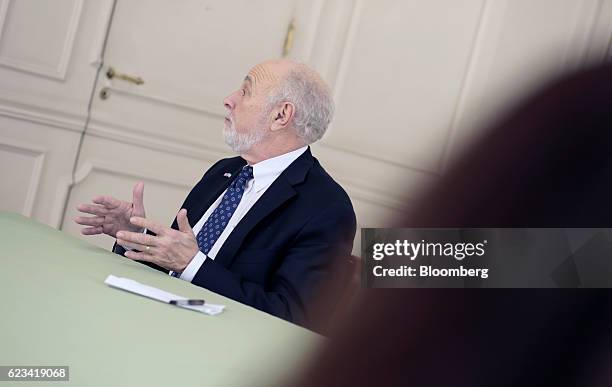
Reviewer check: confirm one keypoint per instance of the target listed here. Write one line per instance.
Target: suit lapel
(208, 190)
(278, 193)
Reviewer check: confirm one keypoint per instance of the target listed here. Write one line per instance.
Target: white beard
(242, 142)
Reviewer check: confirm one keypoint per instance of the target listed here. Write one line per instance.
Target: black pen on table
(186, 302)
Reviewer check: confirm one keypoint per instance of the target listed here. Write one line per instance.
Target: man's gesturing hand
(112, 215)
(171, 249)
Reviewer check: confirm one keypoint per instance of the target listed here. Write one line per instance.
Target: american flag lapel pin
(227, 174)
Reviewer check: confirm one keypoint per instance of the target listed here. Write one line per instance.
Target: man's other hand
(171, 249)
(112, 215)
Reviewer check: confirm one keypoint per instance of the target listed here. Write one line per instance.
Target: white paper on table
(132, 286)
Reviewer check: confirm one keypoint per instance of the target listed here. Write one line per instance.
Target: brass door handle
(112, 73)
(288, 45)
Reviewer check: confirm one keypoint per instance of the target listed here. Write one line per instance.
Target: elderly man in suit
(265, 228)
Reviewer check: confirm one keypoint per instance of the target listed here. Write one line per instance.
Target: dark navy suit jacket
(287, 245)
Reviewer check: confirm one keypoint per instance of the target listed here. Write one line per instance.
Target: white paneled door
(49, 54)
(157, 113)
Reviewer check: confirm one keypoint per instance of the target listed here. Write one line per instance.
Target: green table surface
(56, 310)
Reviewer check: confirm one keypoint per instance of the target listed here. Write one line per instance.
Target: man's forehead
(261, 73)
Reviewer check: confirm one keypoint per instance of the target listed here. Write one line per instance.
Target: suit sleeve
(308, 265)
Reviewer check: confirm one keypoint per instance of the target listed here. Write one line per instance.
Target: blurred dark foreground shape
(546, 164)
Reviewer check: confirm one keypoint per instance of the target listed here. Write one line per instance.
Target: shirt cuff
(193, 267)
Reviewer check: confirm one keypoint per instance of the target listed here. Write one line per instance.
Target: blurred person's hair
(546, 164)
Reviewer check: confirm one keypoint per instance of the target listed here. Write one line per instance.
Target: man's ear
(282, 116)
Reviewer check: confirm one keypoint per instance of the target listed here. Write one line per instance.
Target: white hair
(314, 105)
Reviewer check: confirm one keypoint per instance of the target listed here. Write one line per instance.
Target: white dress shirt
(264, 174)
